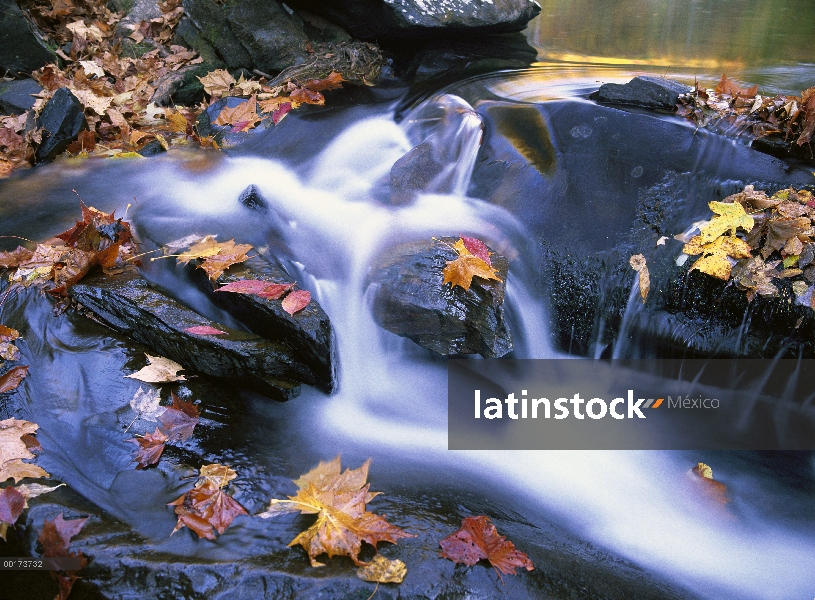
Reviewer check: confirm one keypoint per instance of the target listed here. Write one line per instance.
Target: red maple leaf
(12, 503)
(479, 539)
(296, 300)
(151, 445)
(55, 538)
(257, 287)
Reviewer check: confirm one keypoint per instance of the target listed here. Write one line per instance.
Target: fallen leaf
(204, 330)
(338, 500)
(280, 112)
(159, 370)
(306, 96)
(257, 287)
(217, 475)
(475, 247)
(729, 217)
(206, 506)
(55, 538)
(296, 300)
(383, 570)
(637, 263)
(217, 83)
(245, 112)
(146, 404)
(479, 539)
(179, 420)
(215, 257)
(332, 82)
(729, 87)
(13, 451)
(714, 260)
(151, 445)
(11, 260)
(715, 490)
(12, 503)
(91, 68)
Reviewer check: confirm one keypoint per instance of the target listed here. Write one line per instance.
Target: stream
(330, 216)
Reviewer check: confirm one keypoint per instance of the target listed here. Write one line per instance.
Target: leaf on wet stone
(151, 446)
(731, 88)
(478, 539)
(257, 287)
(714, 260)
(475, 247)
(13, 450)
(245, 112)
(755, 275)
(204, 330)
(8, 351)
(343, 523)
(781, 231)
(383, 570)
(637, 263)
(11, 260)
(146, 404)
(306, 96)
(179, 420)
(296, 301)
(730, 216)
(55, 538)
(206, 507)
(158, 370)
(280, 112)
(460, 272)
(215, 257)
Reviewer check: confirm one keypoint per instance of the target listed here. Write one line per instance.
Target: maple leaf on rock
(257, 287)
(638, 263)
(383, 570)
(338, 500)
(729, 217)
(215, 257)
(729, 87)
(460, 272)
(206, 506)
(151, 446)
(478, 539)
(296, 300)
(714, 260)
(204, 330)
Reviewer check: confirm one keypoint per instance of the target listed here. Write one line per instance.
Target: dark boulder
(307, 333)
(62, 118)
(375, 19)
(647, 91)
(183, 86)
(22, 48)
(254, 34)
(136, 308)
(16, 97)
(416, 169)
(410, 300)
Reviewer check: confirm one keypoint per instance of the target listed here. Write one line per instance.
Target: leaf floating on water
(338, 500)
(55, 538)
(12, 503)
(13, 450)
(204, 330)
(383, 570)
(637, 263)
(151, 446)
(257, 287)
(296, 301)
(159, 370)
(713, 489)
(479, 539)
(206, 506)
(146, 404)
(179, 420)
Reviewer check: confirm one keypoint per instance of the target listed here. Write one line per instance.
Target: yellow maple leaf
(460, 272)
(215, 257)
(729, 216)
(343, 523)
(714, 260)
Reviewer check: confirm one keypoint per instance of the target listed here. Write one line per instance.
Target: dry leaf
(714, 260)
(206, 506)
(13, 451)
(460, 272)
(204, 330)
(151, 445)
(637, 263)
(146, 404)
(479, 539)
(216, 257)
(296, 301)
(257, 287)
(383, 570)
(158, 370)
(217, 83)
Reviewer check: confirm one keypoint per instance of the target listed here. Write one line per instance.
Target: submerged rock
(134, 307)
(372, 19)
(410, 300)
(307, 333)
(62, 118)
(647, 91)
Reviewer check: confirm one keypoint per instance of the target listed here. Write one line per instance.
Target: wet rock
(254, 34)
(776, 145)
(152, 148)
(134, 307)
(252, 198)
(307, 334)
(62, 118)
(647, 91)
(374, 19)
(22, 48)
(16, 97)
(410, 300)
(183, 86)
(416, 169)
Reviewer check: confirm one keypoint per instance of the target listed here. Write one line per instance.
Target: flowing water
(330, 218)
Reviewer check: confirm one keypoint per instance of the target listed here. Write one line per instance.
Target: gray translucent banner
(581, 404)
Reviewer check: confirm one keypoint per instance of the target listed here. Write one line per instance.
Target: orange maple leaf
(215, 257)
(338, 499)
(460, 272)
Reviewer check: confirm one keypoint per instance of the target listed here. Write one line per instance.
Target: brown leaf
(179, 420)
(296, 300)
(216, 257)
(206, 506)
(10, 380)
(332, 82)
(245, 112)
(11, 260)
(306, 96)
(7, 334)
(55, 538)
(151, 445)
(479, 539)
(217, 83)
(637, 263)
(342, 522)
(383, 570)
(257, 287)
(85, 142)
(12, 504)
(729, 87)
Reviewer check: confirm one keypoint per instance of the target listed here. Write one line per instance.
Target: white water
(391, 396)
